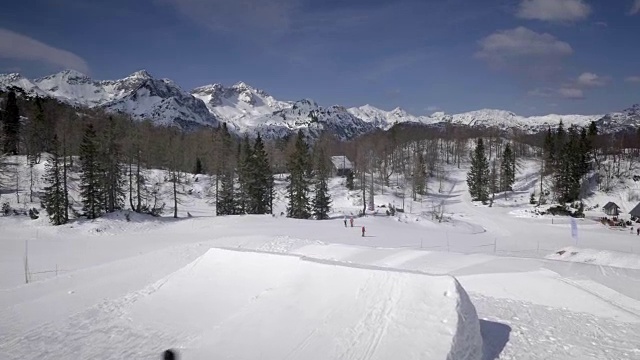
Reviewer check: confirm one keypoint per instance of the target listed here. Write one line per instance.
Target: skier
(639, 231)
(351, 220)
(345, 221)
(363, 231)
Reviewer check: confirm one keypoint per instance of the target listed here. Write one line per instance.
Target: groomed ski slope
(230, 304)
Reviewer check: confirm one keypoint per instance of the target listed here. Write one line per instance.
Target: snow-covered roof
(636, 211)
(341, 162)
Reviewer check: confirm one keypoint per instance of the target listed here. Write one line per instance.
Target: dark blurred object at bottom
(169, 355)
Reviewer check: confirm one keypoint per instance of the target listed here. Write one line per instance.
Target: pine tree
(420, 175)
(572, 166)
(493, 181)
(91, 177)
(298, 187)
(114, 180)
(322, 200)
(226, 204)
(55, 193)
(549, 149)
(245, 153)
(350, 178)
(198, 168)
(259, 180)
(507, 166)
(478, 176)
(11, 125)
(35, 142)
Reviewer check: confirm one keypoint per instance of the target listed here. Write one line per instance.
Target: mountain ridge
(248, 110)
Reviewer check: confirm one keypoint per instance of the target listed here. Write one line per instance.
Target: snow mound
(597, 257)
(250, 305)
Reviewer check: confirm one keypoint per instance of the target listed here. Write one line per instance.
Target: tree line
(110, 153)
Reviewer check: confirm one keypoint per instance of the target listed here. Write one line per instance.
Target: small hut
(635, 213)
(612, 209)
(341, 165)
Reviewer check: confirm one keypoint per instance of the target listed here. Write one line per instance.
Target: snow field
(247, 305)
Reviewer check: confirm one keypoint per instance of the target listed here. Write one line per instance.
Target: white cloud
(635, 9)
(564, 92)
(523, 49)
(554, 10)
(571, 93)
(588, 79)
(21, 47)
(633, 79)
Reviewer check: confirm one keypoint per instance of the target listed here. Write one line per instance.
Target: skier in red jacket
(363, 231)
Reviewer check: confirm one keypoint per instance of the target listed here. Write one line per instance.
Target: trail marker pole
(26, 261)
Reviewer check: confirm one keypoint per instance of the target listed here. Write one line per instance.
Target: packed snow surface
(96, 283)
(248, 305)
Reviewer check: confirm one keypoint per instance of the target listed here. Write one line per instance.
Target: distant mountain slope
(248, 110)
(238, 102)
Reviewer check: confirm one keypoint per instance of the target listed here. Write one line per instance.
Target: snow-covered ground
(113, 288)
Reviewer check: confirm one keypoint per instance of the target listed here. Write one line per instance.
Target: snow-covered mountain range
(248, 110)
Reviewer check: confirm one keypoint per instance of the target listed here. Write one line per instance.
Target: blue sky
(527, 56)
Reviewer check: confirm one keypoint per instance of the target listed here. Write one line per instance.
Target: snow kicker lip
(368, 314)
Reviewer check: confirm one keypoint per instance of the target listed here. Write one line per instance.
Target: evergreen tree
(549, 150)
(55, 193)
(420, 175)
(35, 142)
(11, 125)
(493, 181)
(259, 180)
(226, 204)
(298, 187)
(322, 200)
(478, 176)
(350, 178)
(507, 166)
(198, 168)
(573, 164)
(91, 177)
(245, 153)
(113, 173)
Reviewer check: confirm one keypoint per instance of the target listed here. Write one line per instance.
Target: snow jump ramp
(251, 305)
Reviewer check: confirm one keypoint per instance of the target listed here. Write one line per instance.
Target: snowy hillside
(626, 119)
(484, 118)
(139, 95)
(238, 102)
(308, 116)
(8, 81)
(248, 110)
(386, 119)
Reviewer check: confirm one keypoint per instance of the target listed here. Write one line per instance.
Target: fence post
(26, 261)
